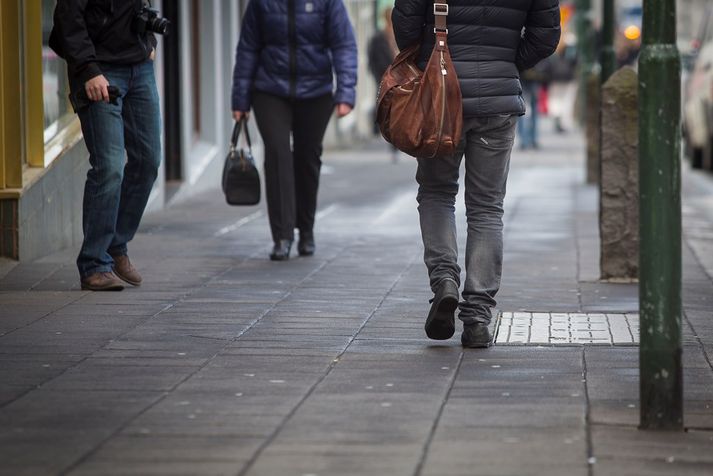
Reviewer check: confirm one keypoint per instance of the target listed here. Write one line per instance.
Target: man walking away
(109, 47)
(490, 43)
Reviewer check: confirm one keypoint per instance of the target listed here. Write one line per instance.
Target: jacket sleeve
(247, 57)
(342, 44)
(542, 34)
(408, 18)
(74, 43)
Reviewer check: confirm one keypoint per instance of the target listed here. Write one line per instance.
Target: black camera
(148, 19)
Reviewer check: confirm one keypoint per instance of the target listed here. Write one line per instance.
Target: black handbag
(241, 180)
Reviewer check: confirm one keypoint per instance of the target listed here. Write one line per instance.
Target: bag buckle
(440, 9)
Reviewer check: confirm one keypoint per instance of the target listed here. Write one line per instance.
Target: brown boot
(125, 270)
(102, 282)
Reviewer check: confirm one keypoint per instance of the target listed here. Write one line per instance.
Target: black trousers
(292, 169)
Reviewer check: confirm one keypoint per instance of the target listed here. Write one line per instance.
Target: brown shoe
(102, 282)
(126, 271)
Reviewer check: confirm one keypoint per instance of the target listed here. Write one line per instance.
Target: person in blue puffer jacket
(287, 57)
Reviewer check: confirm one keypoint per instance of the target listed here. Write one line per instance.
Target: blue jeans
(124, 143)
(527, 126)
(487, 144)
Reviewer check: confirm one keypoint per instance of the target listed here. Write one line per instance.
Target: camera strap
(139, 5)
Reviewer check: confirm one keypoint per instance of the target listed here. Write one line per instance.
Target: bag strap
(237, 128)
(440, 12)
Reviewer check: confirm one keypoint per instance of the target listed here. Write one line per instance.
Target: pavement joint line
(326, 211)
(99, 445)
(243, 221)
(396, 205)
(577, 249)
(685, 314)
(268, 441)
(84, 358)
(321, 266)
(587, 416)
(701, 347)
(52, 273)
(687, 241)
(434, 427)
(81, 295)
(128, 422)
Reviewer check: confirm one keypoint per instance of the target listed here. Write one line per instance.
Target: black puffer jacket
(89, 32)
(487, 43)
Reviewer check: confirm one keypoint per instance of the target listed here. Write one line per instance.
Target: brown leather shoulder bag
(421, 112)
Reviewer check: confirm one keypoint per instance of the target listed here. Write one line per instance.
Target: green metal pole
(661, 383)
(607, 56)
(585, 47)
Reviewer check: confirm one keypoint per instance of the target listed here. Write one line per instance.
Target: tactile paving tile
(558, 328)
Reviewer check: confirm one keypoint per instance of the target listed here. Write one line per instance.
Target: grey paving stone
(30, 374)
(507, 452)
(214, 467)
(44, 452)
(9, 392)
(651, 452)
(238, 349)
(351, 459)
(92, 375)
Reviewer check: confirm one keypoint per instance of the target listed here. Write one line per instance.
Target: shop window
(57, 109)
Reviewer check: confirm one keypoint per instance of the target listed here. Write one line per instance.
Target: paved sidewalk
(225, 363)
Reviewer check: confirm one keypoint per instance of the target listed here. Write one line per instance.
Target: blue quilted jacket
(292, 48)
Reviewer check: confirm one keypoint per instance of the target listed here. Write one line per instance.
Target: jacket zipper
(292, 35)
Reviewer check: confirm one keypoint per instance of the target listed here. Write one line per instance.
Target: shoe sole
(441, 325)
(126, 280)
(306, 253)
(477, 345)
(279, 258)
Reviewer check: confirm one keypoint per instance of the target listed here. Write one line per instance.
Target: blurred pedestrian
(284, 67)
(527, 125)
(534, 83)
(382, 48)
(381, 52)
(489, 48)
(562, 89)
(109, 48)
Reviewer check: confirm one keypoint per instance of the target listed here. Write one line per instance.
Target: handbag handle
(237, 128)
(440, 14)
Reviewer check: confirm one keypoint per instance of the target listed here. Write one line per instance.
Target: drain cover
(553, 328)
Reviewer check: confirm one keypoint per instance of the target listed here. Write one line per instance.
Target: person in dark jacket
(382, 48)
(106, 46)
(287, 56)
(490, 43)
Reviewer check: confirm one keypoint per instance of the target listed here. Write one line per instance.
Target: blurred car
(698, 98)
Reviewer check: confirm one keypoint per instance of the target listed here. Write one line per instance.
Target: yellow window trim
(10, 95)
(32, 84)
(22, 103)
(67, 138)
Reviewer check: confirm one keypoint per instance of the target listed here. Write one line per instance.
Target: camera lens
(158, 25)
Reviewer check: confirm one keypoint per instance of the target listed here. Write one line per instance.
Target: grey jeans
(487, 144)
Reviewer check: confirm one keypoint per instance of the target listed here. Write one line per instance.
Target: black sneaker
(440, 324)
(476, 336)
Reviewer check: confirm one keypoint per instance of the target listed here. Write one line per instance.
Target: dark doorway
(172, 99)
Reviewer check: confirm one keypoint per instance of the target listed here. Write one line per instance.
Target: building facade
(43, 159)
